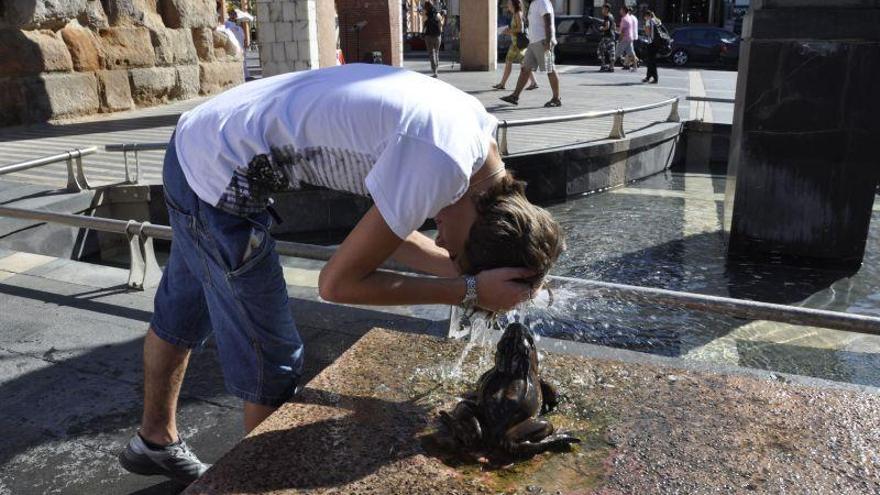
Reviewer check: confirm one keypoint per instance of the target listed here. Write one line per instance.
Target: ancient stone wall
(62, 58)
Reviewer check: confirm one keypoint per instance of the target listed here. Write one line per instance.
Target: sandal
(533, 86)
(498, 86)
(554, 102)
(513, 100)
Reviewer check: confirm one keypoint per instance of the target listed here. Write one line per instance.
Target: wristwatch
(470, 293)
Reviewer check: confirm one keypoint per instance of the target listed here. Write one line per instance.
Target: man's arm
(548, 34)
(420, 253)
(352, 277)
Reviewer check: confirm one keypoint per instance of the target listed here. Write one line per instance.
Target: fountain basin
(368, 424)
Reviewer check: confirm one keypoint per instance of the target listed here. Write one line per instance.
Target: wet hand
(501, 289)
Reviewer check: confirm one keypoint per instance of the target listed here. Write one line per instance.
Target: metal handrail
(709, 99)
(136, 147)
(125, 148)
(141, 234)
(76, 178)
(617, 131)
(703, 103)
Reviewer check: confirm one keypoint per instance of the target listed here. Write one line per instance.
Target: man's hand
(546, 45)
(501, 289)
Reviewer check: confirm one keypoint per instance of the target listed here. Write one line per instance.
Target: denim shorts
(224, 276)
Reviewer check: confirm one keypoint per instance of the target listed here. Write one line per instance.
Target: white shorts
(536, 58)
(625, 48)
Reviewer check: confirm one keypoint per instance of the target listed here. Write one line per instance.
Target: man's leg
(164, 368)
(524, 74)
(180, 322)
(554, 83)
(254, 414)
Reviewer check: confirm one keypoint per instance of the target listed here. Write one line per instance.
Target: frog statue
(502, 418)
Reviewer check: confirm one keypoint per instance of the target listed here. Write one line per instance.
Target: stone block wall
(64, 58)
(381, 33)
(288, 35)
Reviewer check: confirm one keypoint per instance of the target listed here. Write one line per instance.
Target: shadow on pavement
(68, 408)
(41, 131)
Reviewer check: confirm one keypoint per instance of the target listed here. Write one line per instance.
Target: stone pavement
(369, 423)
(70, 373)
(582, 90)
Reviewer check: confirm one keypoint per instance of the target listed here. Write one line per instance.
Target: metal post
(144, 271)
(617, 127)
(137, 167)
(125, 164)
(673, 113)
(76, 176)
(137, 266)
(72, 184)
(80, 172)
(502, 142)
(152, 271)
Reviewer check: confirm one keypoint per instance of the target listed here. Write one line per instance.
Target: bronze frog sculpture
(502, 418)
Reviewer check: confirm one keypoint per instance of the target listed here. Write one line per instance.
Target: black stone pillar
(805, 146)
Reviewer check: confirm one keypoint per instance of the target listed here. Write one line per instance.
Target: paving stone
(21, 262)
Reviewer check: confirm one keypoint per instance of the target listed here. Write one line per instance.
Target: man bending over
(365, 129)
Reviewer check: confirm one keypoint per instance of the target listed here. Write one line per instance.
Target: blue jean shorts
(224, 276)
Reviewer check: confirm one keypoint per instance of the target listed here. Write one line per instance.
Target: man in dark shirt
(606, 45)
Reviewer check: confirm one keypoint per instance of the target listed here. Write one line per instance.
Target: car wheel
(680, 57)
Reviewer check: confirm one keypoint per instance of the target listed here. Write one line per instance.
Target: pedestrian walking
(515, 53)
(606, 49)
(629, 32)
(539, 54)
(652, 23)
(433, 32)
(232, 26)
(361, 128)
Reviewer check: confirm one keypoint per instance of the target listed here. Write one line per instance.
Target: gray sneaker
(175, 461)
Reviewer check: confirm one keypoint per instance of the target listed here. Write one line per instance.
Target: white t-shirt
(410, 141)
(537, 10)
(236, 31)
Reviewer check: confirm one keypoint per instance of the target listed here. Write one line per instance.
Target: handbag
(522, 41)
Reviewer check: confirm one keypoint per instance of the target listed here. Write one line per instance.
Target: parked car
(577, 37)
(704, 44)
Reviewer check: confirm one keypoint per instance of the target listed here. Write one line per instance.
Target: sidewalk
(71, 375)
(583, 89)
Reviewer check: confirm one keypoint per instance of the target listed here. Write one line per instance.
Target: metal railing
(617, 131)
(702, 103)
(76, 177)
(134, 148)
(145, 272)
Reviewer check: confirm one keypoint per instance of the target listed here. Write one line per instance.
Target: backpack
(662, 40)
(432, 23)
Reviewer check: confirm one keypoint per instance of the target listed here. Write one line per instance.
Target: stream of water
(666, 232)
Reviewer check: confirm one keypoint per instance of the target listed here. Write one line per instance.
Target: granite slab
(368, 424)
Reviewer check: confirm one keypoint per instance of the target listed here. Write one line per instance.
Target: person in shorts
(365, 129)
(514, 52)
(628, 33)
(539, 54)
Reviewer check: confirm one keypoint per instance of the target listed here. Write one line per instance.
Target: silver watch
(470, 293)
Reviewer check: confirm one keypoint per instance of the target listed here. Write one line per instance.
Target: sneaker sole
(133, 466)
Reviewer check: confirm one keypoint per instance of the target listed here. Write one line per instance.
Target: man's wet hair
(512, 232)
